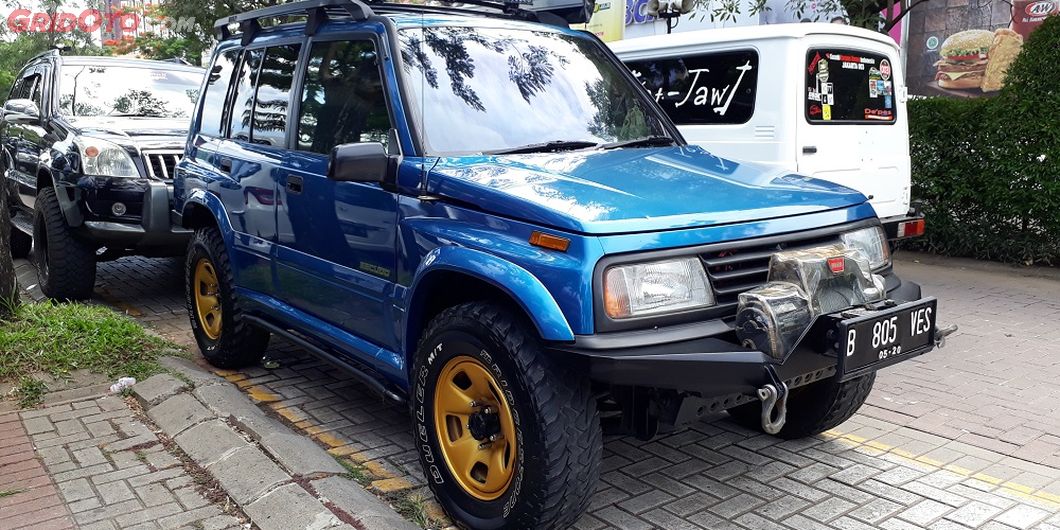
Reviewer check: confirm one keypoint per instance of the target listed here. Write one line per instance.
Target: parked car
(487, 218)
(89, 146)
(824, 100)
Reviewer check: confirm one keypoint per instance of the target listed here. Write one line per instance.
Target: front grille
(744, 266)
(160, 164)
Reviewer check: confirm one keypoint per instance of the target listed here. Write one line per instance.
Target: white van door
(853, 128)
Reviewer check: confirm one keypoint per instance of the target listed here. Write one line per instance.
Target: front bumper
(152, 231)
(711, 365)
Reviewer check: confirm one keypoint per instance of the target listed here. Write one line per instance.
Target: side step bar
(354, 370)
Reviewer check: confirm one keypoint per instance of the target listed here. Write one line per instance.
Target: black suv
(87, 148)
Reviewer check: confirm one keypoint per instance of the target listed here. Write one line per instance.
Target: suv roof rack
(319, 11)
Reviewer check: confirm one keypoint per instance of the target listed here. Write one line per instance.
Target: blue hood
(632, 190)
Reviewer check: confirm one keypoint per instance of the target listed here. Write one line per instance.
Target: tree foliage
(988, 169)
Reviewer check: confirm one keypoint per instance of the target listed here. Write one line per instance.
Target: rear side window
(213, 101)
(343, 99)
(702, 89)
(274, 92)
(849, 86)
(243, 102)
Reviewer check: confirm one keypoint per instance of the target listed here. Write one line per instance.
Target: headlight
(871, 242)
(103, 158)
(657, 287)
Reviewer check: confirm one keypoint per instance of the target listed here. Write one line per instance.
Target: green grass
(414, 508)
(355, 472)
(29, 392)
(59, 338)
(8, 493)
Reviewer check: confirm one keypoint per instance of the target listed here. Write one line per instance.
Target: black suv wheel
(66, 266)
(507, 438)
(226, 339)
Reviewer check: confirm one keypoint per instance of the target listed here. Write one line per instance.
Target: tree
(8, 282)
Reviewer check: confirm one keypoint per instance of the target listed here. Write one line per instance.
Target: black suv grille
(160, 165)
(743, 267)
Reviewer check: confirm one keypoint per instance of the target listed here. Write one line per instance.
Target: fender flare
(200, 198)
(518, 283)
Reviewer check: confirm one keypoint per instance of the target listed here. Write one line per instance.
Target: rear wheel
(226, 339)
(506, 437)
(814, 408)
(66, 266)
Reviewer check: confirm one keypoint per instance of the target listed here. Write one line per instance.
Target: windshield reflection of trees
(531, 70)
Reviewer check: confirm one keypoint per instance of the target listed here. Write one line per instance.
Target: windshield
(86, 90)
(494, 90)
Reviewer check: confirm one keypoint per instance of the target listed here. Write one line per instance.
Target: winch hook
(774, 398)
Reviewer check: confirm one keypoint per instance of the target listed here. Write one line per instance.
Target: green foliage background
(988, 170)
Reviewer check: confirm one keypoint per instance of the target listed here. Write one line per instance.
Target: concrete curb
(281, 479)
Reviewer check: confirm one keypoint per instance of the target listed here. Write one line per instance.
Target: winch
(802, 285)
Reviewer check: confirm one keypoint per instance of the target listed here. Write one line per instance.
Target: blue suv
(486, 217)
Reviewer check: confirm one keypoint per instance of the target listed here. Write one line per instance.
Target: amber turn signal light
(549, 241)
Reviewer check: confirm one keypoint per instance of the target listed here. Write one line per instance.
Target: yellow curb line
(1018, 490)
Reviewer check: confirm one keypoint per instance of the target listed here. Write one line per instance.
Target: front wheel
(814, 408)
(224, 336)
(66, 266)
(507, 438)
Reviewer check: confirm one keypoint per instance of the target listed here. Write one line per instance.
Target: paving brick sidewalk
(109, 469)
(965, 437)
(28, 498)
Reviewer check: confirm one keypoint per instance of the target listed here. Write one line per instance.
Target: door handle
(226, 165)
(294, 184)
(809, 149)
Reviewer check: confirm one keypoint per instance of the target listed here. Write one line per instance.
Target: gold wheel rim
(467, 392)
(207, 302)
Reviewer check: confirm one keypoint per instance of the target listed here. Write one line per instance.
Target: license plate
(882, 338)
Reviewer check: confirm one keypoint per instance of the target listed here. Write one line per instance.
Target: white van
(824, 100)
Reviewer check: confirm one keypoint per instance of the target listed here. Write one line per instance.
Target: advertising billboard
(963, 48)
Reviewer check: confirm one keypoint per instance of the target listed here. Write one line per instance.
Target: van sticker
(721, 98)
(873, 91)
(887, 89)
(826, 112)
(880, 86)
(885, 69)
(886, 102)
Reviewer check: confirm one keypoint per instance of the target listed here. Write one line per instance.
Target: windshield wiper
(545, 147)
(646, 141)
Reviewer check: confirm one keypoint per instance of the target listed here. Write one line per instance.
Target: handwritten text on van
(703, 95)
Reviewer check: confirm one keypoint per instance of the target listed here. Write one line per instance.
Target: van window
(274, 92)
(849, 86)
(702, 89)
(213, 102)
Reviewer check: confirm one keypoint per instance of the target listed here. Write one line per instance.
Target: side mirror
(22, 111)
(360, 162)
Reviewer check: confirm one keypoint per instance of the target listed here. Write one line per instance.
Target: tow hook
(774, 397)
(942, 333)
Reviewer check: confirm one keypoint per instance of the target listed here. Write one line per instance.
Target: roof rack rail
(318, 11)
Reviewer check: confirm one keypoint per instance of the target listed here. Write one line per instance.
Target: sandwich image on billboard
(977, 59)
(966, 51)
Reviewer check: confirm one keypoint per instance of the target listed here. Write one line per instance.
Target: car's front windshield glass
(105, 90)
(482, 90)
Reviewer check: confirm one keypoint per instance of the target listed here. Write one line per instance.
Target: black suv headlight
(105, 159)
(655, 288)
